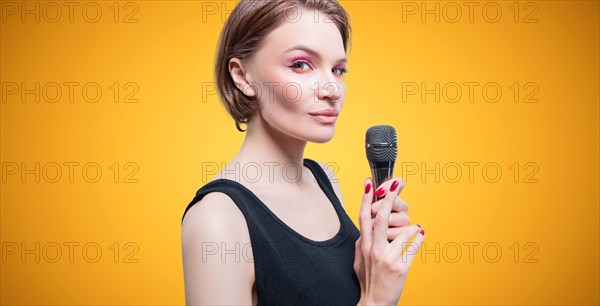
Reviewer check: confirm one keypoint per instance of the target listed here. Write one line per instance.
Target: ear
(241, 78)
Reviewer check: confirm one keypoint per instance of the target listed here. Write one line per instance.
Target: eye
(339, 70)
(300, 65)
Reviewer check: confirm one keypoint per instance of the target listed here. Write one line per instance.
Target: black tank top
(291, 269)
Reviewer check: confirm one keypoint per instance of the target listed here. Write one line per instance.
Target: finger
(393, 232)
(399, 205)
(382, 219)
(413, 248)
(364, 216)
(402, 184)
(382, 190)
(402, 239)
(396, 220)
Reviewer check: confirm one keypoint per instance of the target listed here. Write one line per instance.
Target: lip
(325, 112)
(327, 116)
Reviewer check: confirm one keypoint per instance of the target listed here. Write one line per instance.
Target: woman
(282, 236)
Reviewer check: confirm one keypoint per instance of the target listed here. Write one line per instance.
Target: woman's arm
(213, 273)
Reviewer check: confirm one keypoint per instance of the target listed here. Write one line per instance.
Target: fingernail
(379, 192)
(367, 188)
(419, 225)
(422, 232)
(394, 186)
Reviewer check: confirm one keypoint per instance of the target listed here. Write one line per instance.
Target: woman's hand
(398, 217)
(380, 265)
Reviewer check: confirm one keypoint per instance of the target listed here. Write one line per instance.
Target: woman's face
(298, 75)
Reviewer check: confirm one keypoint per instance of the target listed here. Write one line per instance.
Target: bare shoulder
(211, 276)
(215, 215)
(330, 171)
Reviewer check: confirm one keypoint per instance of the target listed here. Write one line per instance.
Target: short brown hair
(249, 22)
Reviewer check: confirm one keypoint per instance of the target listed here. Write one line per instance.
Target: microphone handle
(381, 171)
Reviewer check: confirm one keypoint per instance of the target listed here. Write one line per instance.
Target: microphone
(382, 150)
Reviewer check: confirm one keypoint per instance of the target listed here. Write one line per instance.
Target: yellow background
(170, 132)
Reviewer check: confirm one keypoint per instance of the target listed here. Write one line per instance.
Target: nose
(328, 88)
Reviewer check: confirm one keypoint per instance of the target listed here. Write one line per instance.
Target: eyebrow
(312, 52)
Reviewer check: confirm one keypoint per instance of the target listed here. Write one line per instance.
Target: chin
(322, 134)
(309, 130)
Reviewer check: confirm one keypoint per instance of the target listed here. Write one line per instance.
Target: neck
(279, 156)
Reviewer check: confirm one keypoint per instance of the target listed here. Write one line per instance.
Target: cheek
(285, 90)
(342, 88)
(292, 94)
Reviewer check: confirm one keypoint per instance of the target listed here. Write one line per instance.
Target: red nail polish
(419, 225)
(394, 186)
(379, 192)
(368, 188)
(422, 232)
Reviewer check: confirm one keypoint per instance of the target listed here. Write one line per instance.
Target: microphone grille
(381, 143)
